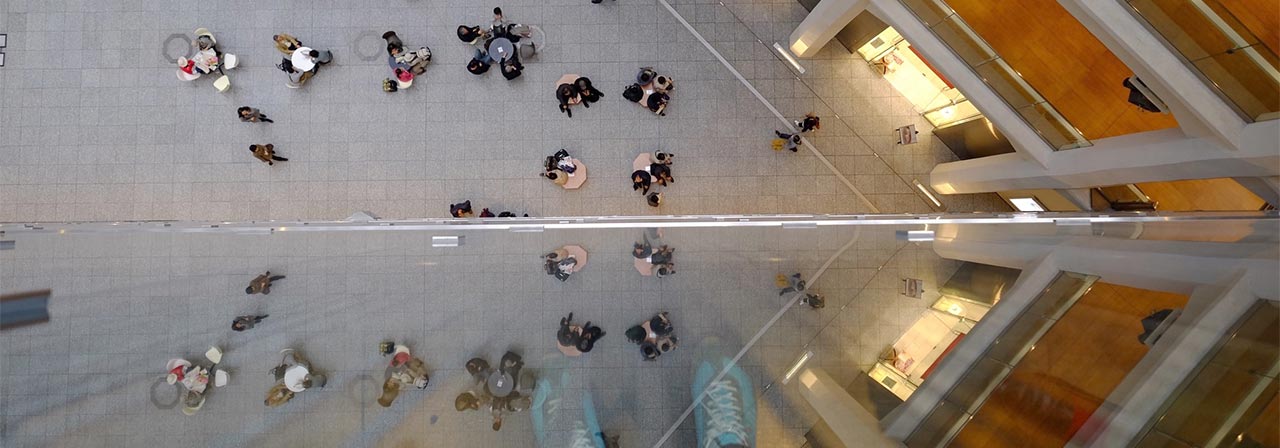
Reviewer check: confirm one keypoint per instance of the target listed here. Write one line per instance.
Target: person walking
(266, 153)
(262, 284)
(252, 115)
(243, 323)
(809, 123)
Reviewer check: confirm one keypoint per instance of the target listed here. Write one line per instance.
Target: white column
(847, 419)
(1145, 157)
(1199, 110)
(822, 24)
(1027, 143)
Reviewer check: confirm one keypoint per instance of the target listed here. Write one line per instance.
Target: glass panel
(1231, 391)
(931, 12)
(1018, 338)
(1242, 77)
(977, 383)
(939, 427)
(1007, 84)
(964, 41)
(1227, 54)
(1253, 348)
(1051, 124)
(122, 293)
(1160, 440)
(1200, 410)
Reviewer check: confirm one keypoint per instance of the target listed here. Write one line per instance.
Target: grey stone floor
(95, 126)
(125, 303)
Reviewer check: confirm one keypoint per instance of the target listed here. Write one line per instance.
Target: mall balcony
(1053, 103)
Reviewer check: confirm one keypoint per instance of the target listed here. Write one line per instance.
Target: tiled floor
(96, 126)
(125, 303)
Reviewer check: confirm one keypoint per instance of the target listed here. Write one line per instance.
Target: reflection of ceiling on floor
(1220, 194)
(1064, 62)
(1071, 370)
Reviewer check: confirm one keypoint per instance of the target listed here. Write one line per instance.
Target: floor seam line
(768, 105)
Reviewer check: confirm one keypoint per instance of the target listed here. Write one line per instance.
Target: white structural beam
(850, 422)
(1200, 110)
(822, 24)
(1145, 157)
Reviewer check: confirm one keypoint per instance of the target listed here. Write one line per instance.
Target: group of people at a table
(300, 62)
(651, 91)
(563, 170)
(652, 256)
(404, 371)
(405, 63)
(208, 58)
(496, 45)
(500, 391)
(656, 170)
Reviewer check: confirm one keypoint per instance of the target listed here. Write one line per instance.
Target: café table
(501, 49)
(301, 59)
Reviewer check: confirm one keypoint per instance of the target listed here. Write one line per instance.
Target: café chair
(230, 61)
(205, 32)
(222, 84)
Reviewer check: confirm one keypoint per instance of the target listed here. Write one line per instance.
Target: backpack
(633, 93)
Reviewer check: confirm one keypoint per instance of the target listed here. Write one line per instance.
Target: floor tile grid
(363, 289)
(339, 186)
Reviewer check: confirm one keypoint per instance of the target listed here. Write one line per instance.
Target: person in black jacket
(588, 92)
(566, 94)
(640, 180)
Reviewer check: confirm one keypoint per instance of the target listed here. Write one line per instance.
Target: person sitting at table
(512, 68)
(654, 199)
(558, 176)
(461, 209)
(188, 66)
(479, 63)
(472, 34)
(662, 255)
(660, 157)
(645, 76)
(661, 271)
(661, 173)
(640, 180)
(663, 84)
(567, 94)
(295, 76)
(658, 103)
(561, 160)
(588, 92)
(286, 44)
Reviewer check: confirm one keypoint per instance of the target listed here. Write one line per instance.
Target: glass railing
(968, 395)
(996, 73)
(1223, 50)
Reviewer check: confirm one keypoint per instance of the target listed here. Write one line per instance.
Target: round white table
(301, 59)
(294, 377)
(501, 49)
